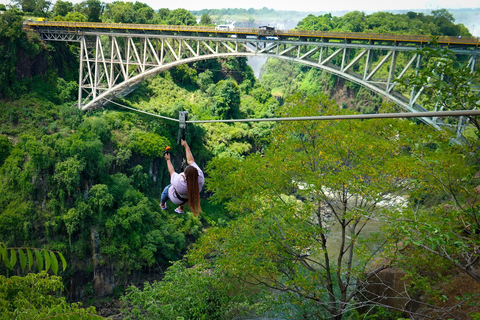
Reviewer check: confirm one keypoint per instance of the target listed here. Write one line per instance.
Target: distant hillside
(251, 18)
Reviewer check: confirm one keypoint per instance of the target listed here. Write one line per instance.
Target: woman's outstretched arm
(171, 170)
(188, 152)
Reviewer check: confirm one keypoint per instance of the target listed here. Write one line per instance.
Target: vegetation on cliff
(287, 206)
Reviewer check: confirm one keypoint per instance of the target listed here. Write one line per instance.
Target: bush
(191, 293)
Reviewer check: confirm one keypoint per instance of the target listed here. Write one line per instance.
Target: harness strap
(179, 197)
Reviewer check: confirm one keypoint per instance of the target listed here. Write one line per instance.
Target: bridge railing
(366, 36)
(471, 41)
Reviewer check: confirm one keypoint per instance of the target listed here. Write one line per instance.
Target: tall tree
(93, 10)
(62, 8)
(206, 20)
(304, 206)
(26, 5)
(444, 224)
(181, 17)
(43, 6)
(447, 83)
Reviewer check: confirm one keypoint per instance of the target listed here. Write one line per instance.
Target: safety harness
(182, 131)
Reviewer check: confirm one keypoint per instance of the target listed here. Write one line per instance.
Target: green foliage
(181, 17)
(44, 259)
(225, 101)
(149, 144)
(88, 174)
(12, 38)
(68, 89)
(120, 12)
(279, 239)
(448, 84)
(37, 296)
(440, 22)
(445, 230)
(184, 75)
(204, 80)
(184, 292)
(311, 81)
(5, 148)
(62, 8)
(206, 20)
(73, 16)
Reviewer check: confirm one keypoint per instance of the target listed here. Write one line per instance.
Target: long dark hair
(191, 174)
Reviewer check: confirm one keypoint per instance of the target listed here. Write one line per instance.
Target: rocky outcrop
(103, 275)
(30, 66)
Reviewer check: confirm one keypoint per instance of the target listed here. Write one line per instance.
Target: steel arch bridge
(115, 58)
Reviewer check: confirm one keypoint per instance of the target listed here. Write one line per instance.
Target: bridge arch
(125, 86)
(114, 61)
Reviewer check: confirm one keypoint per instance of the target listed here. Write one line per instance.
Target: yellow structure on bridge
(269, 33)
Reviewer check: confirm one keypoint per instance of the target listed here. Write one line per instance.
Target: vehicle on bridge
(224, 27)
(266, 33)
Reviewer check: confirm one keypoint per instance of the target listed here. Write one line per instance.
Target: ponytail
(191, 174)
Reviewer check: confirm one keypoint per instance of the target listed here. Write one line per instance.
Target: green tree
(443, 14)
(184, 74)
(92, 9)
(37, 296)
(448, 84)
(204, 80)
(190, 293)
(68, 174)
(181, 17)
(100, 199)
(26, 5)
(62, 8)
(120, 12)
(5, 148)
(12, 37)
(353, 21)
(206, 20)
(163, 14)
(42, 7)
(444, 221)
(226, 100)
(145, 15)
(302, 208)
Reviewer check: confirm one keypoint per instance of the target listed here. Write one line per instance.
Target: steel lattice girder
(113, 64)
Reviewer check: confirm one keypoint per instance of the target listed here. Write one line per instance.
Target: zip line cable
(431, 114)
(426, 114)
(136, 110)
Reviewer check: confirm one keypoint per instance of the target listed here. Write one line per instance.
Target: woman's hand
(167, 156)
(183, 143)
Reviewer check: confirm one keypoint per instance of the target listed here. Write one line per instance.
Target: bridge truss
(113, 64)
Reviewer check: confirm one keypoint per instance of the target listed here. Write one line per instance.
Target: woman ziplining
(184, 187)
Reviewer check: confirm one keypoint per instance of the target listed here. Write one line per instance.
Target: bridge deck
(399, 39)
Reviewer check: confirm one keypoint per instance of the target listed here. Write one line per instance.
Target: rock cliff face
(391, 289)
(103, 275)
(30, 66)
